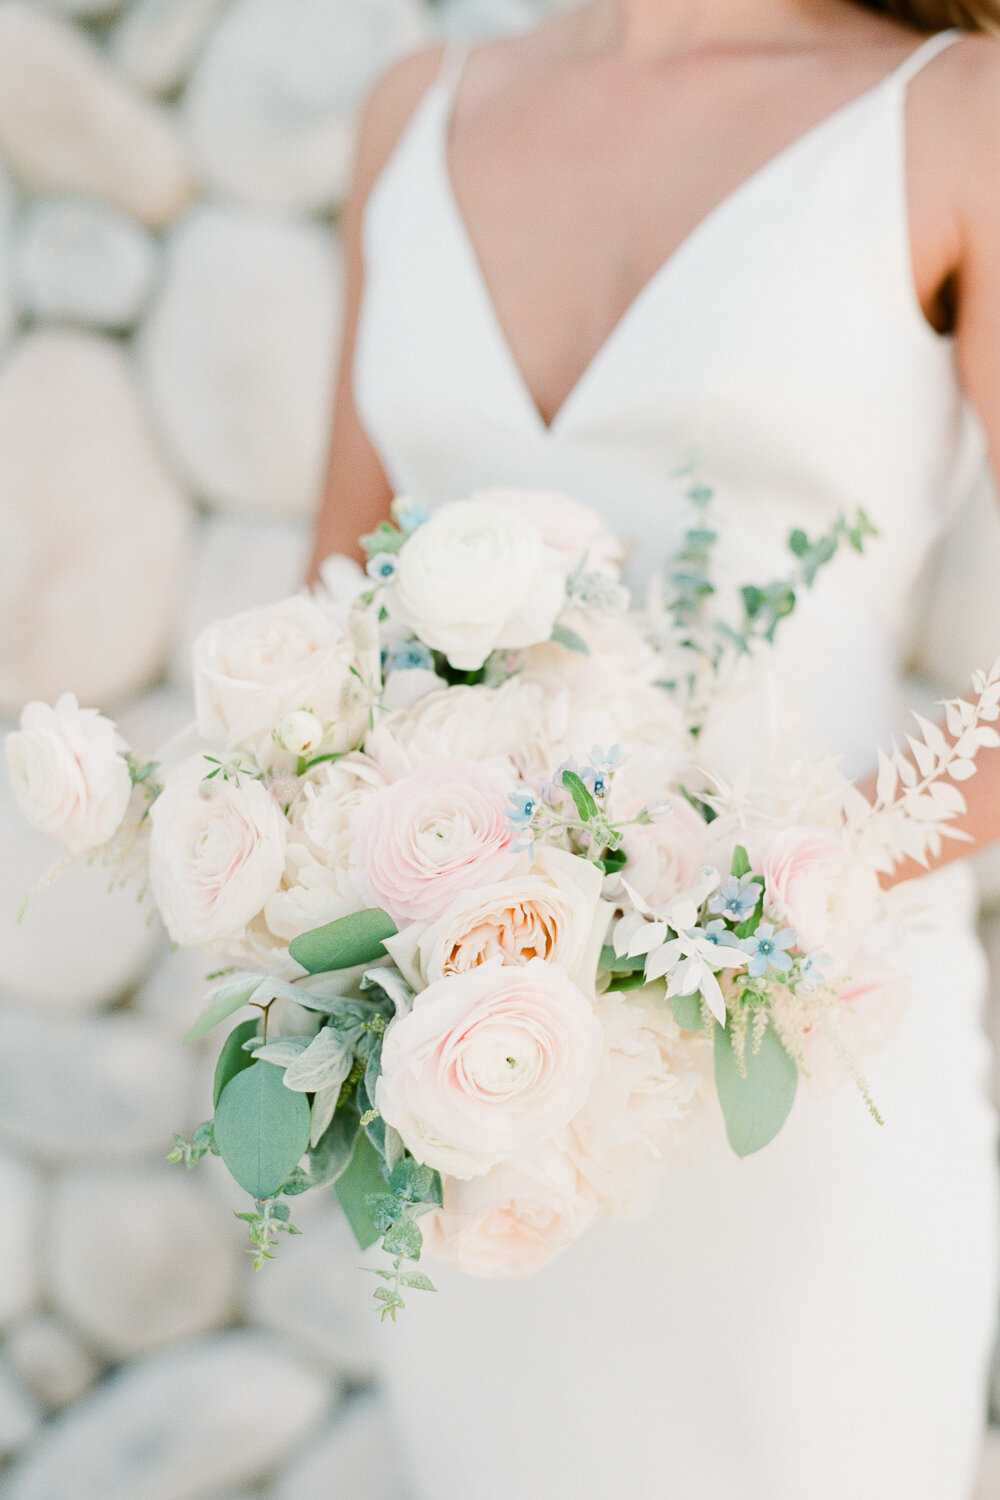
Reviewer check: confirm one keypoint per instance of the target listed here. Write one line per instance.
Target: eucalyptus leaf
(563, 636)
(404, 1238)
(345, 943)
(222, 1001)
(324, 1064)
(416, 1183)
(418, 1281)
(332, 1155)
(233, 1058)
(623, 982)
(756, 1106)
(687, 1012)
(359, 1178)
(261, 1129)
(384, 1209)
(611, 963)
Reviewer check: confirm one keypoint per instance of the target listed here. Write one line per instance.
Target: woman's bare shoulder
(389, 108)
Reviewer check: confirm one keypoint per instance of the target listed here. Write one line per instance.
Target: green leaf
(418, 1281)
(749, 926)
(344, 944)
(798, 543)
(385, 538)
(687, 1012)
(384, 1209)
(361, 1177)
(415, 1183)
(753, 599)
(261, 1129)
(582, 800)
(232, 1058)
(223, 1001)
(563, 636)
(404, 1238)
(324, 1064)
(331, 1156)
(756, 1106)
(613, 861)
(741, 862)
(627, 982)
(612, 964)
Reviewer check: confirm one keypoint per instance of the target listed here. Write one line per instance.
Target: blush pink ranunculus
(666, 856)
(514, 1220)
(424, 839)
(828, 894)
(488, 1064)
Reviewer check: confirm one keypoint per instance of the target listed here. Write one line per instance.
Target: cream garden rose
(512, 1221)
(549, 909)
(476, 578)
(827, 894)
(217, 853)
(69, 773)
(265, 667)
(422, 840)
(487, 1064)
(576, 533)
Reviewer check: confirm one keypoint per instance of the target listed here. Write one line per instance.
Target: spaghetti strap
(923, 54)
(450, 71)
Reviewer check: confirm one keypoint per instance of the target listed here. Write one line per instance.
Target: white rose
(217, 852)
(513, 1220)
(68, 773)
(646, 1101)
(253, 669)
(473, 579)
(551, 909)
(575, 532)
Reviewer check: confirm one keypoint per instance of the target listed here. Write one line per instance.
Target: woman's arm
(357, 493)
(961, 196)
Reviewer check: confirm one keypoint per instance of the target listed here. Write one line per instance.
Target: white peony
(217, 853)
(68, 773)
(645, 1104)
(256, 669)
(476, 578)
(550, 909)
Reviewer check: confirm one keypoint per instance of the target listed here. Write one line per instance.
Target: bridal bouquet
(505, 935)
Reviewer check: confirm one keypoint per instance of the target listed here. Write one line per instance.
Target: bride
(769, 232)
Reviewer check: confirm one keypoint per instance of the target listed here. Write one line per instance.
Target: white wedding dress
(812, 1323)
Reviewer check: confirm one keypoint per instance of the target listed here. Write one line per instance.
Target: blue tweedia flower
(597, 775)
(736, 898)
(407, 515)
(408, 656)
(381, 567)
(522, 805)
(768, 949)
(718, 933)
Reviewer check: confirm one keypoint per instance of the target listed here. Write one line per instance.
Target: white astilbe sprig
(916, 798)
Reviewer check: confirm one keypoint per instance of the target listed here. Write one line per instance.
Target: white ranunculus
(217, 853)
(476, 578)
(575, 532)
(323, 811)
(256, 669)
(646, 1103)
(68, 773)
(551, 909)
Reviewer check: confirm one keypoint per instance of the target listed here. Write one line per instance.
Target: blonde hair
(940, 15)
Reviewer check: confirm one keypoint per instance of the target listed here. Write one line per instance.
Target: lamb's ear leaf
(757, 1102)
(345, 943)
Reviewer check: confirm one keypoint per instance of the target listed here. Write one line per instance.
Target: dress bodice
(782, 345)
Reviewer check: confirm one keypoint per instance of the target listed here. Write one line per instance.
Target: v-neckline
(666, 267)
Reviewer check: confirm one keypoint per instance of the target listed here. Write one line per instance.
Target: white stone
(173, 993)
(988, 1485)
(236, 563)
(354, 1456)
(150, 721)
(239, 353)
(114, 1087)
(318, 1295)
(51, 1360)
(270, 108)
(83, 262)
(92, 525)
(19, 1239)
(77, 947)
(218, 1412)
(19, 1415)
(141, 1257)
(468, 19)
(68, 123)
(157, 40)
(7, 312)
